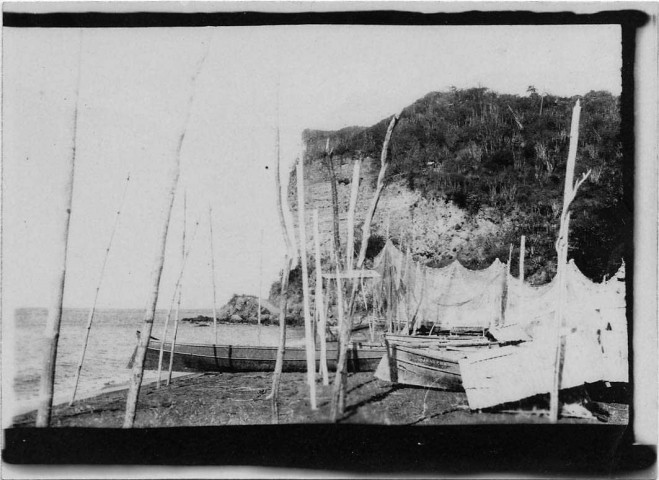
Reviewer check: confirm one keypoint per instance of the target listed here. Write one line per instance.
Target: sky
(135, 87)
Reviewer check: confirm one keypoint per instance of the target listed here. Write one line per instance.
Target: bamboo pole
(504, 290)
(163, 337)
(138, 365)
(384, 164)
(329, 158)
(354, 191)
(210, 227)
(143, 342)
(281, 349)
(338, 396)
(522, 252)
(309, 340)
(338, 389)
(177, 292)
(165, 328)
(562, 252)
(320, 308)
(180, 293)
(54, 320)
(289, 261)
(258, 314)
(90, 318)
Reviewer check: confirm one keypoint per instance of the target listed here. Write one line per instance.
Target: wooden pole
(384, 164)
(338, 389)
(210, 227)
(338, 397)
(258, 314)
(310, 348)
(90, 318)
(281, 349)
(138, 365)
(54, 320)
(289, 260)
(562, 253)
(177, 291)
(354, 191)
(320, 308)
(180, 290)
(329, 158)
(504, 289)
(163, 337)
(522, 252)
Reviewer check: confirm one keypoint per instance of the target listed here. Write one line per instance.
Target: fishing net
(410, 296)
(449, 297)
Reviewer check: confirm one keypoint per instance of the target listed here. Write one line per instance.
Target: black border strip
(251, 18)
(473, 449)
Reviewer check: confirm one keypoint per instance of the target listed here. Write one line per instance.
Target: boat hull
(240, 358)
(421, 367)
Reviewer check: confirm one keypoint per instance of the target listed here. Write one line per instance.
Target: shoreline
(240, 399)
(23, 407)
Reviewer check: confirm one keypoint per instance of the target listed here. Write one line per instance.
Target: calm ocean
(111, 343)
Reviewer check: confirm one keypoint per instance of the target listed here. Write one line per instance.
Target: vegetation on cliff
(501, 158)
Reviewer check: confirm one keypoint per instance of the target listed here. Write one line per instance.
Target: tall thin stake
(165, 329)
(177, 293)
(143, 342)
(354, 191)
(320, 308)
(258, 314)
(54, 320)
(329, 158)
(562, 251)
(338, 394)
(338, 389)
(522, 252)
(504, 290)
(384, 164)
(180, 293)
(289, 261)
(210, 226)
(310, 348)
(90, 318)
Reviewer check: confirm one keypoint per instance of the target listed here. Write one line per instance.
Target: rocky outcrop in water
(244, 309)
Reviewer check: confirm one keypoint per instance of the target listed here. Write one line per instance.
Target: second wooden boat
(422, 367)
(191, 357)
(427, 362)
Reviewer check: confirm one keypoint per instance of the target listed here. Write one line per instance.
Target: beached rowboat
(428, 361)
(190, 357)
(422, 367)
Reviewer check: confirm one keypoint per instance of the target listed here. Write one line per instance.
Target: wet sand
(240, 399)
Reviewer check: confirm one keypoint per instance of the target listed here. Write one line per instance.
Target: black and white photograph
(306, 220)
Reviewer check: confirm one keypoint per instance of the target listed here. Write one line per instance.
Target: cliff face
(472, 171)
(435, 231)
(395, 201)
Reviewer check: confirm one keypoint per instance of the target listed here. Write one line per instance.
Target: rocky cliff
(471, 171)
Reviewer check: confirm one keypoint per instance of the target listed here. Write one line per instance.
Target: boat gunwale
(352, 346)
(446, 355)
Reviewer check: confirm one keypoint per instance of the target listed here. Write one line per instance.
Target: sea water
(112, 340)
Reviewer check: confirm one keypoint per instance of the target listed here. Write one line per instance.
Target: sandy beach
(240, 399)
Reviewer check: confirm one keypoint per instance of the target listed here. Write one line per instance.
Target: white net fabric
(411, 295)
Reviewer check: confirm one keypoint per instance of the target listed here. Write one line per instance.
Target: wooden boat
(190, 357)
(422, 367)
(428, 363)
